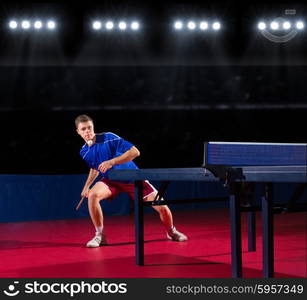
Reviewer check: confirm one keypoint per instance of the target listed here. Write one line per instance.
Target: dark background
(165, 92)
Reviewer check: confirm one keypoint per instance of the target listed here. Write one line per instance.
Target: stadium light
(261, 26)
(109, 25)
(51, 25)
(135, 25)
(30, 25)
(280, 29)
(96, 25)
(38, 24)
(286, 25)
(122, 25)
(178, 25)
(274, 25)
(25, 24)
(13, 24)
(216, 26)
(191, 25)
(203, 25)
(300, 25)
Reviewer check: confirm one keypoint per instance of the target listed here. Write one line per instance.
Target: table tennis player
(103, 152)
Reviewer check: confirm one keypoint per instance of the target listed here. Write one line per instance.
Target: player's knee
(93, 196)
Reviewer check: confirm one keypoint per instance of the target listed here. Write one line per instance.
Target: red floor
(57, 248)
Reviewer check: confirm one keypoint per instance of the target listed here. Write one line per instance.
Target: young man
(101, 153)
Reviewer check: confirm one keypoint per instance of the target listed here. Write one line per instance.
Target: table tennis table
(229, 163)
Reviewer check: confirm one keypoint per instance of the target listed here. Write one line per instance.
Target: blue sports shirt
(107, 146)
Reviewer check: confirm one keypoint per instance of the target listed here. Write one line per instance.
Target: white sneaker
(175, 235)
(97, 240)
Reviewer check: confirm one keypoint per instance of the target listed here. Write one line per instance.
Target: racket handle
(80, 202)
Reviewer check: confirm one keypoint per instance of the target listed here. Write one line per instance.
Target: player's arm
(125, 157)
(90, 179)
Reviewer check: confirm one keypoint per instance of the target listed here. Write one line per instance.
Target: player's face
(86, 130)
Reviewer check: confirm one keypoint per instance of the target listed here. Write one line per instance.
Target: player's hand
(85, 192)
(105, 166)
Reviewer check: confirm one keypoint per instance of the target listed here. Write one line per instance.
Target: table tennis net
(255, 154)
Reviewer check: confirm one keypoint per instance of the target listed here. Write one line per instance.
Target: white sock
(99, 229)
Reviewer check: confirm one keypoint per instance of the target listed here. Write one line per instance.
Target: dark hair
(82, 119)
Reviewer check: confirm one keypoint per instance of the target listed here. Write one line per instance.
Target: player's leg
(166, 217)
(99, 192)
(163, 211)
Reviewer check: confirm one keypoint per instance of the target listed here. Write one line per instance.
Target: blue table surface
(251, 173)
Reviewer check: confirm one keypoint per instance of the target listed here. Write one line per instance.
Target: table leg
(267, 231)
(139, 223)
(236, 248)
(251, 220)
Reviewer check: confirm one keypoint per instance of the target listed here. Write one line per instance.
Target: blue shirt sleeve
(118, 145)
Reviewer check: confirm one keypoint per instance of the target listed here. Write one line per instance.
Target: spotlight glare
(261, 25)
(178, 25)
(25, 24)
(300, 25)
(274, 25)
(109, 25)
(135, 25)
(96, 25)
(286, 25)
(216, 25)
(13, 24)
(122, 25)
(38, 24)
(51, 25)
(203, 25)
(191, 25)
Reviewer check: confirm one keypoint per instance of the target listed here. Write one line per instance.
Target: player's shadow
(14, 244)
(132, 243)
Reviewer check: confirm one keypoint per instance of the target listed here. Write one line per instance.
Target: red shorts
(119, 187)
